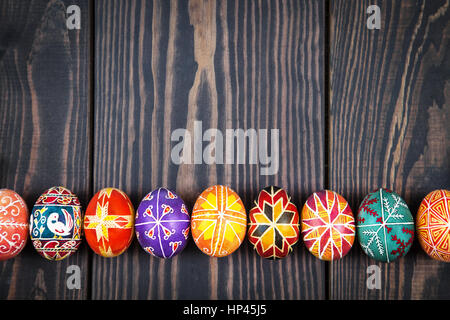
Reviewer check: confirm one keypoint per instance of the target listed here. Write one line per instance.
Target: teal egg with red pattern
(385, 226)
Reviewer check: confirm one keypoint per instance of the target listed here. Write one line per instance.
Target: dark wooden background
(357, 109)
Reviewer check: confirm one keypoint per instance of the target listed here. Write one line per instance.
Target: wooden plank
(44, 129)
(162, 65)
(389, 106)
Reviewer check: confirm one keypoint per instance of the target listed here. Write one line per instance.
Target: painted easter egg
(108, 222)
(274, 223)
(14, 218)
(328, 225)
(162, 223)
(433, 225)
(219, 221)
(55, 224)
(385, 226)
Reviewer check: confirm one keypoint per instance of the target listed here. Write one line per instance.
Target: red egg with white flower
(13, 224)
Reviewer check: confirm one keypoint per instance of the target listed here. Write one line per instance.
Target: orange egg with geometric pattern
(433, 225)
(219, 221)
(274, 223)
(328, 225)
(109, 222)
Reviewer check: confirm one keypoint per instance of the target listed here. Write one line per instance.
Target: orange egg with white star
(219, 221)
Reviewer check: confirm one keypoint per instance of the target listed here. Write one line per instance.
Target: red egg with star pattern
(327, 225)
(274, 223)
(109, 222)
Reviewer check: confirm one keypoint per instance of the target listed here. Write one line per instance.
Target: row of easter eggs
(384, 224)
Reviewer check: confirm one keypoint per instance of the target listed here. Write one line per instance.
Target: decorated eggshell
(14, 218)
(433, 225)
(274, 223)
(384, 225)
(328, 226)
(219, 221)
(108, 222)
(55, 224)
(162, 223)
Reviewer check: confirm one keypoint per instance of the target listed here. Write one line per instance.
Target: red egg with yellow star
(109, 222)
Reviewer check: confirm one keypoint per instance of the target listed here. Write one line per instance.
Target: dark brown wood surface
(356, 109)
(388, 126)
(161, 65)
(44, 129)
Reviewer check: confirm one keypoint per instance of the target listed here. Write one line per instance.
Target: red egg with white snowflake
(13, 224)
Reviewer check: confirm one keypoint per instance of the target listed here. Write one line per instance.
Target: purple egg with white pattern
(162, 223)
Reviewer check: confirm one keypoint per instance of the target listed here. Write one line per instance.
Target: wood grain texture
(161, 65)
(389, 114)
(44, 129)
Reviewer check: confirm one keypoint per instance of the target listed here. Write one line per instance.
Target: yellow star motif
(105, 192)
(106, 253)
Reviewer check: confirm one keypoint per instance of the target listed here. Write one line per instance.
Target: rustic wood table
(357, 108)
